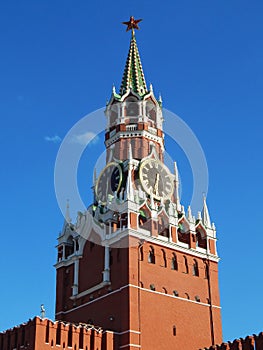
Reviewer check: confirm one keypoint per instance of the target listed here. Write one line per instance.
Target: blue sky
(59, 60)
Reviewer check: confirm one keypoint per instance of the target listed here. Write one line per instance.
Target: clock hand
(156, 184)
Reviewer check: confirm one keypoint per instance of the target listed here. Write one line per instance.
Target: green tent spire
(133, 77)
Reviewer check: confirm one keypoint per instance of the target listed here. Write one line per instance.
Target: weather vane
(132, 24)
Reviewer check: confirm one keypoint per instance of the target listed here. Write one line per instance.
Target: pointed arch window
(151, 256)
(69, 247)
(132, 107)
(195, 268)
(164, 258)
(201, 240)
(186, 268)
(151, 110)
(174, 265)
(152, 287)
(175, 293)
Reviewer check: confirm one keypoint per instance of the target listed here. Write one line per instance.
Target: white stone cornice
(67, 262)
(160, 240)
(90, 290)
(135, 133)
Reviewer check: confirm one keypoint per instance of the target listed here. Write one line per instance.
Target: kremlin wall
(44, 334)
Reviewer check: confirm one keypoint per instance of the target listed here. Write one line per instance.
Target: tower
(135, 263)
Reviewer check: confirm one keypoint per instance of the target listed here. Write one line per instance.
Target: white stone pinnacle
(206, 216)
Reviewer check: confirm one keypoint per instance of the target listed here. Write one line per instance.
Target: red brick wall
(38, 334)
(254, 342)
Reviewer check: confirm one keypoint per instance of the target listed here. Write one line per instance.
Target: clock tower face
(109, 182)
(156, 179)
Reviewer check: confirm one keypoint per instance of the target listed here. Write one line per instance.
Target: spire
(133, 77)
(67, 216)
(189, 214)
(176, 190)
(206, 216)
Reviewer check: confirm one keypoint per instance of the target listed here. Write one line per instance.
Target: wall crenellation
(48, 335)
(252, 342)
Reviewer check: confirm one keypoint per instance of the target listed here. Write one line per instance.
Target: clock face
(156, 179)
(108, 182)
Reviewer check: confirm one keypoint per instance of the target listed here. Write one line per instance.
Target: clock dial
(109, 181)
(156, 179)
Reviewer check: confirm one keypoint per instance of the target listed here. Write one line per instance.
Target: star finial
(132, 24)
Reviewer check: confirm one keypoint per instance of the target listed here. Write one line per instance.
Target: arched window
(174, 265)
(69, 247)
(175, 293)
(197, 298)
(113, 114)
(201, 239)
(187, 295)
(163, 227)
(152, 286)
(151, 256)
(174, 330)
(164, 290)
(186, 269)
(164, 259)
(132, 107)
(195, 268)
(151, 110)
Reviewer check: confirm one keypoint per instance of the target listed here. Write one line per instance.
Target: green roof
(133, 77)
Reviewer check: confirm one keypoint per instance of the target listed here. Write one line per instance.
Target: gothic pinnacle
(68, 219)
(206, 216)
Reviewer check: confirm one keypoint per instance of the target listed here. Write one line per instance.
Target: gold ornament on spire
(132, 24)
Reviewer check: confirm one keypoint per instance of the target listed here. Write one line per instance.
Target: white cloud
(88, 137)
(54, 139)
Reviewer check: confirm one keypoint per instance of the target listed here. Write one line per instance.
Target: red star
(132, 24)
